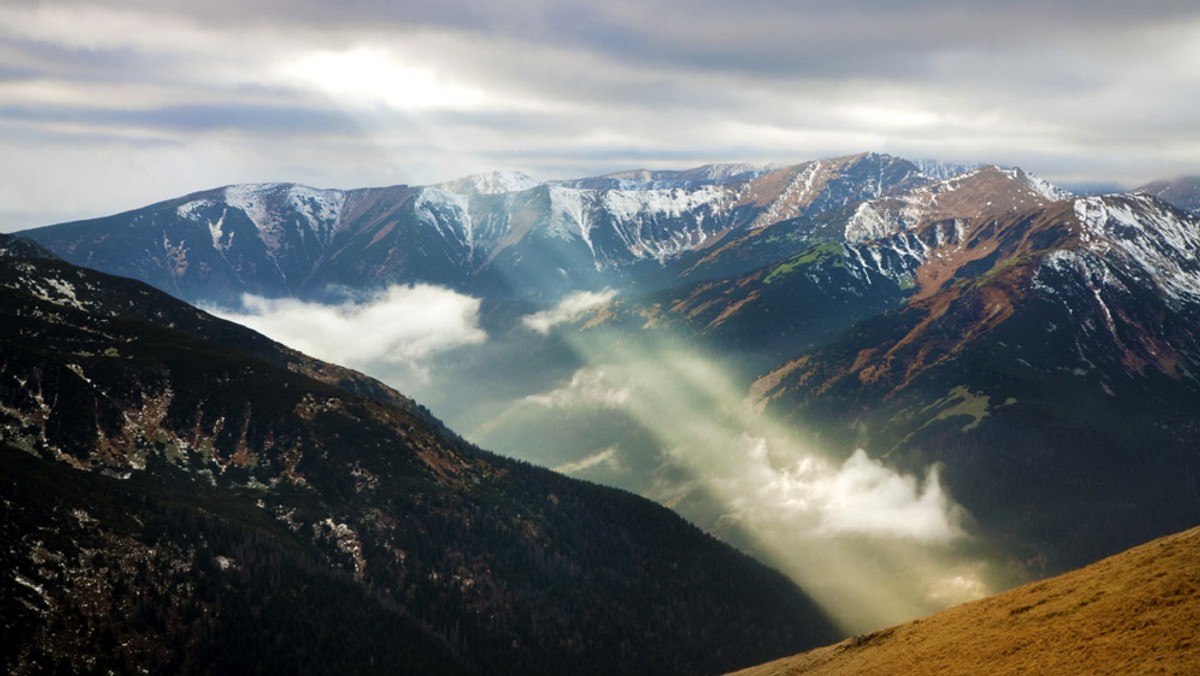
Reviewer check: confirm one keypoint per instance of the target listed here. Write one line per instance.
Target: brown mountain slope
(1136, 612)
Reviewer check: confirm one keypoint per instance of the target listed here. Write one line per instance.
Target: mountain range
(496, 235)
(1037, 349)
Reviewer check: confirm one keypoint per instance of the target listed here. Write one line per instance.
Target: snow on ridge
(798, 191)
(722, 172)
(943, 170)
(628, 205)
(321, 208)
(249, 198)
(448, 212)
(267, 205)
(1146, 239)
(568, 208)
(1038, 185)
(1048, 190)
(868, 223)
(188, 210)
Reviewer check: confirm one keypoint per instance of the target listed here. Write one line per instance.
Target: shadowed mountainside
(182, 494)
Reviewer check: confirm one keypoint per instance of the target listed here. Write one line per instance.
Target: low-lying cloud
(568, 309)
(588, 387)
(861, 497)
(401, 326)
(874, 544)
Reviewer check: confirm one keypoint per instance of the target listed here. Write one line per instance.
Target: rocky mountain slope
(1047, 355)
(184, 495)
(1135, 612)
(1041, 348)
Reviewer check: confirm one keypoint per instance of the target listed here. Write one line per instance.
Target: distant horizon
(1073, 186)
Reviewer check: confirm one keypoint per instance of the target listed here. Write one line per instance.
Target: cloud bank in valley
(873, 544)
(652, 415)
(397, 330)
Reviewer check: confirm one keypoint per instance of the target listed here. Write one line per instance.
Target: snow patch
(1046, 189)
(189, 209)
(568, 207)
(867, 223)
(57, 291)
(448, 213)
(270, 207)
(1153, 243)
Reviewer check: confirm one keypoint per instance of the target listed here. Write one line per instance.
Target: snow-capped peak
(1041, 186)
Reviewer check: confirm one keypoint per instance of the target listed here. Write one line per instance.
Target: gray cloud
(420, 92)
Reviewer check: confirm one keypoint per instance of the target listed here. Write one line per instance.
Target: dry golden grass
(1136, 612)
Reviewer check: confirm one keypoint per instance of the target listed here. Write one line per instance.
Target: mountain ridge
(279, 239)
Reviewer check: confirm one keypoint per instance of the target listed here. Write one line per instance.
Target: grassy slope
(1136, 612)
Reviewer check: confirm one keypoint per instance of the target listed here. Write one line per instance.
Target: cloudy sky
(113, 104)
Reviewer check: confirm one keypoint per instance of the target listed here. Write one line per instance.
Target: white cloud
(958, 587)
(861, 497)
(568, 309)
(590, 388)
(606, 457)
(402, 325)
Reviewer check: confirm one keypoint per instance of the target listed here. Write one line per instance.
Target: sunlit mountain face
(904, 385)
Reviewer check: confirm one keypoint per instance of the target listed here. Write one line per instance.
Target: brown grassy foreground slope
(1136, 612)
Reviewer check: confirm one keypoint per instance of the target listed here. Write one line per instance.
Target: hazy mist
(657, 416)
